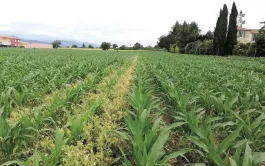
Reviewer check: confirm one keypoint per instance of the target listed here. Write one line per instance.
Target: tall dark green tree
(220, 32)
(83, 45)
(231, 39)
(216, 39)
(260, 42)
(223, 31)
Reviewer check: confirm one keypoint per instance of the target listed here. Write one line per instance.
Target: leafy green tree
(114, 46)
(216, 38)
(90, 46)
(56, 44)
(180, 34)
(207, 36)
(105, 45)
(231, 40)
(164, 42)
(262, 30)
(83, 46)
(74, 46)
(185, 33)
(123, 47)
(149, 48)
(241, 20)
(189, 33)
(138, 46)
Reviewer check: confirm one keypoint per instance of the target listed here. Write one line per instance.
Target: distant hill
(45, 39)
(64, 43)
(34, 41)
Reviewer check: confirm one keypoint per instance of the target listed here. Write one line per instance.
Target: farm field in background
(144, 108)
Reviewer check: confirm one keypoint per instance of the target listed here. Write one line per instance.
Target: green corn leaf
(174, 155)
(123, 135)
(196, 130)
(248, 112)
(237, 155)
(247, 160)
(258, 157)
(179, 118)
(197, 164)
(127, 163)
(261, 133)
(158, 145)
(237, 116)
(216, 158)
(223, 125)
(256, 123)
(213, 119)
(233, 100)
(177, 124)
(240, 143)
(227, 142)
(199, 143)
(232, 162)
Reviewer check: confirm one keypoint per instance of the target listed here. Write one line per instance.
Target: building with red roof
(9, 41)
(245, 35)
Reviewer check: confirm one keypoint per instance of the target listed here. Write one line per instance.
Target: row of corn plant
(146, 132)
(42, 120)
(27, 77)
(224, 117)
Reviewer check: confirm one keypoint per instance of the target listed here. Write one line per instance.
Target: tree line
(107, 45)
(136, 46)
(187, 38)
(57, 44)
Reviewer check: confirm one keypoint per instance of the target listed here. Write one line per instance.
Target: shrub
(251, 51)
(174, 48)
(199, 47)
(260, 46)
(241, 49)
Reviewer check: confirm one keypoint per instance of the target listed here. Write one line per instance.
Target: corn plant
(14, 135)
(219, 101)
(144, 132)
(249, 158)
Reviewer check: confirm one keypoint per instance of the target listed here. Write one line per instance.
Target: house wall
(246, 39)
(5, 40)
(37, 45)
(14, 41)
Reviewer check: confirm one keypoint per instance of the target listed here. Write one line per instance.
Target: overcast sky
(116, 21)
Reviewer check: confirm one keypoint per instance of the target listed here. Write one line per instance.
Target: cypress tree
(223, 30)
(216, 39)
(231, 40)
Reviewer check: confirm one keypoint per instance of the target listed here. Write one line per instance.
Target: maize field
(101, 108)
